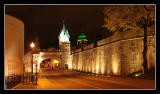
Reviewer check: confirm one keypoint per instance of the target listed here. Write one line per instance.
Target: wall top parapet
(118, 37)
(127, 35)
(77, 51)
(50, 52)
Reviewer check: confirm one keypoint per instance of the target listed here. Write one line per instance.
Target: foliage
(124, 17)
(132, 17)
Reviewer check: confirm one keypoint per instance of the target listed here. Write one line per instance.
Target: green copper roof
(82, 36)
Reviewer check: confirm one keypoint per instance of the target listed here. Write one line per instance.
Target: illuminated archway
(49, 63)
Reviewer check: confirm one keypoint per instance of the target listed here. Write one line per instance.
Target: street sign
(34, 62)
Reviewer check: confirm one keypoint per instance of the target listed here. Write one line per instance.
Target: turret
(64, 35)
(82, 38)
(64, 46)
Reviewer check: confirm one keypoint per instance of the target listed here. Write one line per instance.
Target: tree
(130, 17)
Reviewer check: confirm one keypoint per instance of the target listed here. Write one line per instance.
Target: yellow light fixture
(55, 61)
(138, 74)
(32, 45)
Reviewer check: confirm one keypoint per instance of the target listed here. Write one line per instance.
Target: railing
(13, 80)
(29, 78)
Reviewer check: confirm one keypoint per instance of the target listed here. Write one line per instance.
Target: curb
(16, 86)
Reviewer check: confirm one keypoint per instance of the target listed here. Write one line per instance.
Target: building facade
(82, 39)
(14, 46)
(61, 57)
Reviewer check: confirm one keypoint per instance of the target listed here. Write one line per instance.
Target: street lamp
(32, 46)
(36, 70)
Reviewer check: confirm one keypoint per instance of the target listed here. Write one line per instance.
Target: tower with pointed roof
(64, 47)
(64, 35)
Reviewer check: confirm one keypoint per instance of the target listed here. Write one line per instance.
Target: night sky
(46, 21)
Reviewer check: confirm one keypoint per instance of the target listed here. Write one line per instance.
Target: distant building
(82, 38)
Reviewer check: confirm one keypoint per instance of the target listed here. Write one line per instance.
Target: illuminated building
(64, 35)
(14, 46)
(62, 55)
(82, 38)
(64, 46)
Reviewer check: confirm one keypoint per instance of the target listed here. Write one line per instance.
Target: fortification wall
(120, 54)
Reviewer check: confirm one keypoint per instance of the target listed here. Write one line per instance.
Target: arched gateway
(62, 54)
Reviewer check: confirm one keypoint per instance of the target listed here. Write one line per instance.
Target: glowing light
(102, 68)
(64, 35)
(64, 39)
(40, 59)
(115, 65)
(97, 69)
(56, 61)
(92, 67)
(32, 45)
(138, 74)
(69, 66)
(115, 69)
(82, 36)
(89, 69)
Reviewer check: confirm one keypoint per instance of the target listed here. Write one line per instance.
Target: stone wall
(66, 55)
(116, 55)
(28, 62)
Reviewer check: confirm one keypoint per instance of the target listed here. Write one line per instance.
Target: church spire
(63, 25)
(64, 35)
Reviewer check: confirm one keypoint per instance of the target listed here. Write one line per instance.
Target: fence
(13, 80)
(29, 78)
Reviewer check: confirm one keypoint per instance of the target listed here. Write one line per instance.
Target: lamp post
(32, 46)
(36, 70)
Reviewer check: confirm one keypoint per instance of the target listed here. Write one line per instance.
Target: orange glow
(55, 61)
(40, 60)
(115, 66)
(102, 68)
(32, 45)
(97, 69)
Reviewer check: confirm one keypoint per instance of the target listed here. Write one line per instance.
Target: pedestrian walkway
(43, 83)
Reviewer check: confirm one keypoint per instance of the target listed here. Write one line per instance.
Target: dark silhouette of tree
(130, 17)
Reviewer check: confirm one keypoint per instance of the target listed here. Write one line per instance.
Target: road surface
(65, 79)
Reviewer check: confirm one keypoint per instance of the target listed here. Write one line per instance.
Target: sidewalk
(43, 83)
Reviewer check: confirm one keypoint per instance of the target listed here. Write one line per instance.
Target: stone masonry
(120, 54)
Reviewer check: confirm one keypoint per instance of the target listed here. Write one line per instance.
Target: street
(65, 79)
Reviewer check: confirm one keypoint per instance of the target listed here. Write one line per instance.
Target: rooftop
(82, 36)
